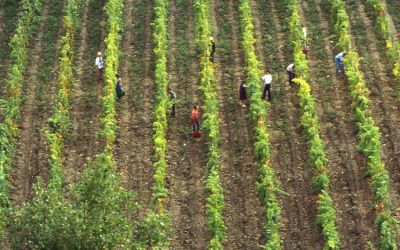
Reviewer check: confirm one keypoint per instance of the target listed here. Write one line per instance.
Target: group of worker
(195, 114)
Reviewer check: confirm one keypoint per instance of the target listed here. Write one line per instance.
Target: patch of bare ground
(349, 187)
(83, 142)
(289, 151)
(31, 158)
(133, 153)
(186, 157)
(243, 213)
(381, 83)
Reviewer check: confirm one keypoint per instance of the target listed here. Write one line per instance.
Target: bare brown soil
(186, 157)
(349, 188)
(133, 152)
(83, 142)
(31, 158)
(243, 213)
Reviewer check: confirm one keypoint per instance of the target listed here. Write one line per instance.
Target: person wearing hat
(339, 62)
(212, 49)
(100, 66)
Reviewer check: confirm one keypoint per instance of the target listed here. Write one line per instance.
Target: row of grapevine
(11, 106)
(309, 119)
(160, 123)
(267, 182)
(368, 132)
(159, 233)
(59, 121)
(208, 85)
(388, 32)
(114, 25)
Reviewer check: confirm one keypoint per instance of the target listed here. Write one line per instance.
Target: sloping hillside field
(200, 124)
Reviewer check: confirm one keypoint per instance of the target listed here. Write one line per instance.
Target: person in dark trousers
(267, 78)
(195, 119)
(339, 62)
(291, 70)
(99, 66)
(172, 97)
(243, 94)
(118, 87)
(212, 49)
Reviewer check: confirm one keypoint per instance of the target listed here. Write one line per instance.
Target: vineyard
(316, 167)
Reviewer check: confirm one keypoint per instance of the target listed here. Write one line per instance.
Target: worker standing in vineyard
(267, 78)
(243, 94)
(172, 97)
(118, 87)
(212, 49)
(305, 46)
(100, 66)
(195, 120)
(339, 62)
(291, 70)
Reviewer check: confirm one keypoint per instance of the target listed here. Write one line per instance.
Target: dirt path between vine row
(243, 213)
(394, 10)
(31, 158)
(83, 142)
(289, 152)
(349, 188)
(384, 106)
(134, 141)
(187, 157)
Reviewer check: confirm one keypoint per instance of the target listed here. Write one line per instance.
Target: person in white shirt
(267, 78)
(99, 66)
(291, 70)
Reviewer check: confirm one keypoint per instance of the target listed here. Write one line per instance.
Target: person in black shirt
(243, 94)
(118, 87)
(172, 97)
(212, 49)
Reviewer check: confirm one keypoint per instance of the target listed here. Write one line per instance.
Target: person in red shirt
(195, 119)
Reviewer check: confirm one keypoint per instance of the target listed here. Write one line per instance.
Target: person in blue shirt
(339, 62)
(118, 87)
